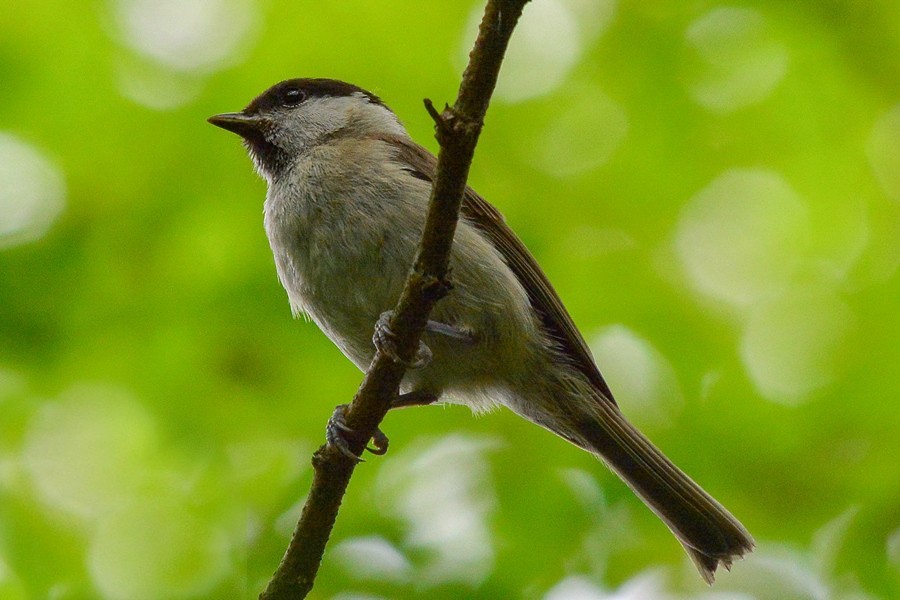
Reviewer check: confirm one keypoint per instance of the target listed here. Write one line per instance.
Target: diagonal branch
(457, 129)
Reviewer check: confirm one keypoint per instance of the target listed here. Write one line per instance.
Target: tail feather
(709, 533)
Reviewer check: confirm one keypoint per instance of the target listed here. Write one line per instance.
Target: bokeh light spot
(642, 379)
(740, 61)
(829, 539)
(548, 43)
(592, 16)
(797, 343)
(87, 453)
(585, 488)
(156, 87)
(32, 192)
(445, 493)
(587, 129)
(774, 572)
(157, 549)
(11, 587)
(187, 35)
(743, 236)
(575, 588)
(372, 558)
(260, 468)
(893, 547)
(884, 152)
(648, 585)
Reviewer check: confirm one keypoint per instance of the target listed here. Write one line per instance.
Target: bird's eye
(292, 96)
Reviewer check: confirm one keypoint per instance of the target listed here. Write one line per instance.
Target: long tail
(709, 533)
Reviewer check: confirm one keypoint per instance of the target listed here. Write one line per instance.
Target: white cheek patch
(317, 121)
(355, 115)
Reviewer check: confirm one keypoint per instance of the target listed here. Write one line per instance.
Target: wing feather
(544, 300)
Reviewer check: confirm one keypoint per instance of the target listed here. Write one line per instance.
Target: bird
(347, 195)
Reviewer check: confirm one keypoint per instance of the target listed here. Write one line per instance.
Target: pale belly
(344, 267)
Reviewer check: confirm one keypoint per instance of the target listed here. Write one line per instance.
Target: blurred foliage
(713, 189)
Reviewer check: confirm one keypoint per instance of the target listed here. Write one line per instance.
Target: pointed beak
(244, 125)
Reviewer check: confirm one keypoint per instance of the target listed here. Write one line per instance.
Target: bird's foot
(385, 342)
(337, 430)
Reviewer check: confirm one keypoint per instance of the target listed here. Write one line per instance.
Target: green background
(713, 189)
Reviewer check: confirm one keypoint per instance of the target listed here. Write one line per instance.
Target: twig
(457, 129)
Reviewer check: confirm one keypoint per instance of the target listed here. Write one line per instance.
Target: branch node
(442, 121)
(467, 126)
(432, 111)
(435, 288)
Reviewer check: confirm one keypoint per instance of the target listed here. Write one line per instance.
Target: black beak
(246, 126)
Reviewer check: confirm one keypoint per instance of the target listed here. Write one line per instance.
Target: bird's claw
(336, 435)
(379, 443)
(385, 342)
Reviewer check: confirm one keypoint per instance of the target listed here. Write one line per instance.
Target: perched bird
(347, 197)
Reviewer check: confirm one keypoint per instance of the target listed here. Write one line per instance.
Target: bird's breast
(340, 257)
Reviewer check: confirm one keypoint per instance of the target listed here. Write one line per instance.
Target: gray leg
(416, 398)
(386, 343)
(385, 340)
(450, 331)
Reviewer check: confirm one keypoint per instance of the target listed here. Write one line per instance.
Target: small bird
(347, 198)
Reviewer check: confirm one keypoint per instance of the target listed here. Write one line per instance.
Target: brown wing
(544, 299)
